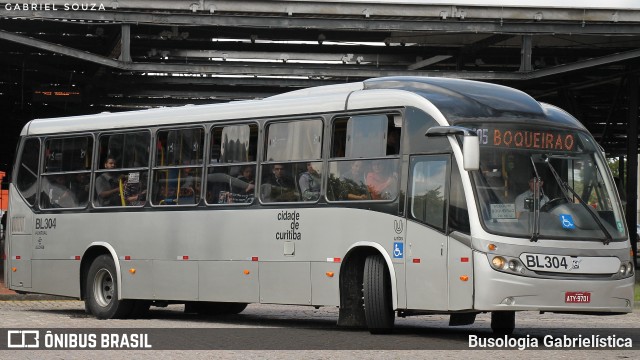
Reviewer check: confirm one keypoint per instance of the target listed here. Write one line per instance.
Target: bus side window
(177, 173)
(429, 190)
(27, 178)
(67, 163)
(231, 170)
(121, 177)
(292, 169)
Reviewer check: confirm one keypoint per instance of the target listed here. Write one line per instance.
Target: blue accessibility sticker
(398, 250)
(567, 221)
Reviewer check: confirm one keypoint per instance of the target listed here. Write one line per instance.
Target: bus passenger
(381, 183)
(107, 186)
(524, 201)
(352, 185)
(281, 187)
(246, 175)
(310, 184)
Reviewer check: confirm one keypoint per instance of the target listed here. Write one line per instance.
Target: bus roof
(458, 100)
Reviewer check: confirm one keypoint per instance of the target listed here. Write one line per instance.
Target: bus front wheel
(102, 291)
(378, 307)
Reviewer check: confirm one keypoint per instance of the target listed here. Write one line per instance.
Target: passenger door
(427, 280)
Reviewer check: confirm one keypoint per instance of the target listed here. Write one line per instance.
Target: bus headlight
(515, 266)
(623, 270)
(630, 268)
(498, 262)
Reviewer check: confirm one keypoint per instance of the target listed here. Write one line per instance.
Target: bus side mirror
(471, 152)
(470, 144)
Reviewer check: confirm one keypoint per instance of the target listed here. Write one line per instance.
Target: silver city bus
(392, 196)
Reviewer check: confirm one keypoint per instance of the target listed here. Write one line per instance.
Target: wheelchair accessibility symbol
(567, 221)
(398, 250)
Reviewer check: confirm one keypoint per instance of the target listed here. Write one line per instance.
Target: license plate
(577, 297)
(570, 264)
(548, 262)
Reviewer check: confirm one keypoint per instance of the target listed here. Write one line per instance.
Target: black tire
(378, 306)
(503, 322)
(102, 291)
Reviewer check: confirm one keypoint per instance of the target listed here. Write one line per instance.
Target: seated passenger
(352, 185)
(281, 187)
(310, 184)
(107, 186)
(382, 184)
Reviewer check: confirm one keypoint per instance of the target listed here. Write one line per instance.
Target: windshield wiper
(535, 232)
(566, 189)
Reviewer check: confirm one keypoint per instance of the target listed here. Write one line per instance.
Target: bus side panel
(229, 281)
(137, 284)
(460, 275)
(19, 260)
(285, 283)
(19, 242)
(175, 280)
(325, 283)
(47, 275)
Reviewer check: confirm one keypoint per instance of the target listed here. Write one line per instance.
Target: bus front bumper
(500, 291)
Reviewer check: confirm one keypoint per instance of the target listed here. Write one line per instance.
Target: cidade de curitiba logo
(45, 6)
(36, 339)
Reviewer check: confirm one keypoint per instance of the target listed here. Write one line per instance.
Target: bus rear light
(132, 271)
(329, 274)
(254, 258)
(416, 261)
(183, 257)
(127, 257)
(77, 257)
(464, 259)
(464, 278)
(17, 257)
(246, 272)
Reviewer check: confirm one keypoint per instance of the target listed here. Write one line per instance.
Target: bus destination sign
(547, 139)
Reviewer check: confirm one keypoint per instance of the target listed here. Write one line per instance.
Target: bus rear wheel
(378, 307)
(503, 322)
(102, 291)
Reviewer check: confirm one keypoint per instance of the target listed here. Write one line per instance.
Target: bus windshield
(541, 183)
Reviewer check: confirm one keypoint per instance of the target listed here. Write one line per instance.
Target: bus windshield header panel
(545, 183)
